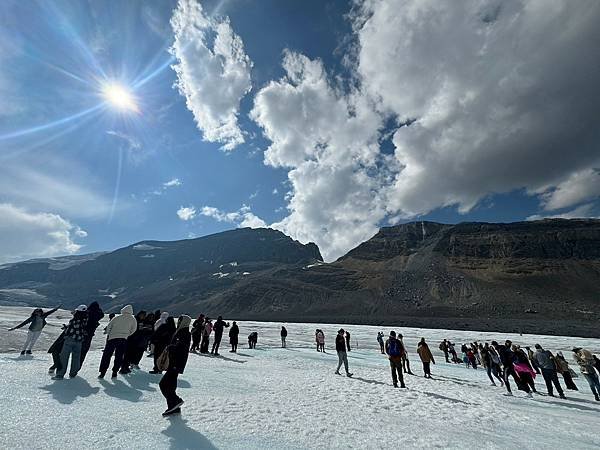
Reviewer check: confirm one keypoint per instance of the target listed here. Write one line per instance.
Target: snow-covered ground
(287, 398)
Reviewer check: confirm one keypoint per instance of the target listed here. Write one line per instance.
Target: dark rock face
(468, 276)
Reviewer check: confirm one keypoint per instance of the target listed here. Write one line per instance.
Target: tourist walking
(73, 338)
(444, 349)
(586, 366)
(252, 339)
(340, 347)
(161, 338)
(545, 360)
(394, 349)
(117, 331)
(197, 331)
(37, 322)
(562, 366)
(380, 342)
(178, 355)
(426, 357)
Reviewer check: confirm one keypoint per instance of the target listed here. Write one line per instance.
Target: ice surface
(287, 398)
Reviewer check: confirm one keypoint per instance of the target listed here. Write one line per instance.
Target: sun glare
(120, 97)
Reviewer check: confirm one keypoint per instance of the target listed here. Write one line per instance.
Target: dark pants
(550, 376)
(195, 342)
(510, 371)
(85, 347)
(71, 349)
(396, 366)
(569, 381)
(427, 369)
(168, 387)
(234, 344)
(381, 347)
(342, 359)
(116, 346)
(446, 356)
(216, 344)
(56, 361)
(204, 344)
(594, 382)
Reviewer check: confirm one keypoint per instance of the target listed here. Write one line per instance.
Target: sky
(129, 121)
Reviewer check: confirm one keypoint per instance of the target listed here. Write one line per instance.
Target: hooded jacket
(161, 320)
(123, 325)
(180, 344)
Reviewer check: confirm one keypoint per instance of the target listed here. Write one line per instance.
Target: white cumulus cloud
(477, 98)
(244, 217)
(213, 72)
(186, 213)
(25, 234)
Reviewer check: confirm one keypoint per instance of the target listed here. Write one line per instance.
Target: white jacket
(122, 326)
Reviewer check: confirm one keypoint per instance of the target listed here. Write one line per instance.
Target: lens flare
(120, 97)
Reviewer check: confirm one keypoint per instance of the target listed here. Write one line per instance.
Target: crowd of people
(169, 342)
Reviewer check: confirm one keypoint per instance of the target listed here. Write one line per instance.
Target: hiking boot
(57, 377)
(124, 371)
(72, 375)
(403, 386)
(114, 375)
(550, 394)
(349, 375)
(597, 397)
(562, 396)
(23, 352)
(28, 352)
(395, 385)
(337, 372)
(168, 412)
(101, 375)
(51, 370)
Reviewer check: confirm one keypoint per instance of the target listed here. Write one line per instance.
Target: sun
(119, 97)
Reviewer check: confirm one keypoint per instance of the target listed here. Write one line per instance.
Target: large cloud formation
(213, 72)
(25, 234)
(494, 96)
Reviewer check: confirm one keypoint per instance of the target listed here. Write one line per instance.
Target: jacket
(425, 353)
(76, 329)
(320, 337)
(179, 350)
(123, 325)
(586, 362)
(561, 364)
(544, 359)
(283, 332)
(37, 321)
(340, 343)
(162, 337)
(219, 326)
(233, 334)
(95, 315)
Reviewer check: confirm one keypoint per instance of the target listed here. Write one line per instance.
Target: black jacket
(218, 327)
(162, 337)
(95, 315)
(340, 343)
(234, 332)
(179, 350)
(283, 332)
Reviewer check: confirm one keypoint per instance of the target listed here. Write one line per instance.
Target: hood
(185, 322)
(127, 309)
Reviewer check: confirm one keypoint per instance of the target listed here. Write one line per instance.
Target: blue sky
(289, 114)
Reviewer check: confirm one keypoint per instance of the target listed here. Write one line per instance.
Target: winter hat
(341, 330)
(392, 333)
(81, 308)
(538, 346)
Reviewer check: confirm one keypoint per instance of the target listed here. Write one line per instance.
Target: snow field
(290, 398)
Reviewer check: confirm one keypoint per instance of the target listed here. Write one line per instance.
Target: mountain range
(534, 277)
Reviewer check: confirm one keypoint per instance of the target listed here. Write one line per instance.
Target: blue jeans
(71, 348)
(592, 380)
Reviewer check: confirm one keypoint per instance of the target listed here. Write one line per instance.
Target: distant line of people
(128, 337)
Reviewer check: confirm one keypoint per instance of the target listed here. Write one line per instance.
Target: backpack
(162, 363)
(394, 347)
(442, 346)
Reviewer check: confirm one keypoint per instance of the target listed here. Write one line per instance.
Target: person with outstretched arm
(220, 325)
(340, 347)
(178, 357)
(394, 349)
(37, 322)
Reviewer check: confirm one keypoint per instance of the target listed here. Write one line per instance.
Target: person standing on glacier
(117, 330)
(178, 356)
(586, 366)
(395, 349)
(37, 322)
(426, 357)
(74, 335)
(340, 347)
